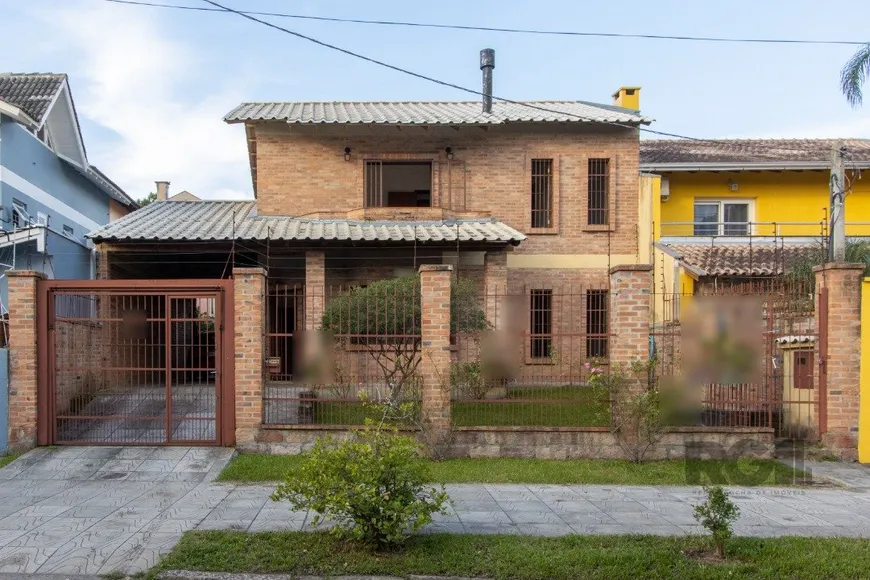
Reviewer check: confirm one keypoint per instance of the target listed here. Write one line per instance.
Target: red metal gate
(135, 362)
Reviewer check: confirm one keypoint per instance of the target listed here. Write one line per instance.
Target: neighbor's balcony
(798, 232)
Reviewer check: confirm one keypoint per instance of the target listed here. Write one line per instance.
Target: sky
(151, 85)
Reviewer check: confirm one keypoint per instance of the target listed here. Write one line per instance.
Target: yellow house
(742, 209)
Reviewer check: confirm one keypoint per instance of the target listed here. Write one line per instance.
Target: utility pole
(837, 246)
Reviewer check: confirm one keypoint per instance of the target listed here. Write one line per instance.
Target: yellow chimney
(627, 97)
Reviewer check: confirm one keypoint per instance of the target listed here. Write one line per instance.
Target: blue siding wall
(22, 153)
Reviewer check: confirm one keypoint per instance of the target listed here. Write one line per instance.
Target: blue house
(50, 196)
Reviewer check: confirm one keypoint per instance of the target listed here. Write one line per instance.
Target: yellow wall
(864, 394)
(649, 215)
(788, 196)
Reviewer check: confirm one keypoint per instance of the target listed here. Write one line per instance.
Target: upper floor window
(68, 231)
(722, 217)
(598, 191)
(398, 184)
(19, 214)
(542, 193)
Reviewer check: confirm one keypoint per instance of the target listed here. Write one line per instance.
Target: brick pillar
(103, 272)
(630, 288)
(315, 288)
(843, 283)
(495, 286)
(22, 358)
(249, 285)
(435, 362)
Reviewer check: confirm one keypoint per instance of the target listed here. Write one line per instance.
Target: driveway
(95, 510)
(89, 510)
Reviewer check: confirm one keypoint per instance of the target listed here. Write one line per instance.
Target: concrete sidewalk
(99, 510)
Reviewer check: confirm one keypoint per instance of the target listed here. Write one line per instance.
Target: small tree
(635, 415)
(385, 318)
(716, 514)
(151, 197)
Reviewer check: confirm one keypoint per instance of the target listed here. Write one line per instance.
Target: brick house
(515, 196)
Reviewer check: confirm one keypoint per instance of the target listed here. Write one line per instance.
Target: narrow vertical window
(596, 323)
(598, 206)
(542, 193)
(541, 323)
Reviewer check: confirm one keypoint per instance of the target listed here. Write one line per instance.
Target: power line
(531, 31)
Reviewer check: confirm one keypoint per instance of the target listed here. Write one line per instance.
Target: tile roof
(739, 259)
(433, 113)
(30, 92)
(226, 220)
(663, 152)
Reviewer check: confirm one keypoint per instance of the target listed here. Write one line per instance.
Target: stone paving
(95, 510)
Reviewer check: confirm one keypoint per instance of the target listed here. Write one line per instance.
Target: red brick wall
(302, 171)
(435, 358)
(22, 359)
(630, 311)
(250, 324)
(843, 282)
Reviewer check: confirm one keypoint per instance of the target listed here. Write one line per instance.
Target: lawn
(7, 459)
(745, 471)
(565, 406)
(522, 557)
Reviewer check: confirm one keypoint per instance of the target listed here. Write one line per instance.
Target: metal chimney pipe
(487, 63)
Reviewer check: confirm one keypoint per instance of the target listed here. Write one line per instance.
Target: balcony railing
(819, 229)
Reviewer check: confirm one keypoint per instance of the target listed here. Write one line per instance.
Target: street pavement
(98, 510)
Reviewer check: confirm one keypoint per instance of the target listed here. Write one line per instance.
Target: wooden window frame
(530, 357)
(589, 340)
(433, 158)
(555, 192)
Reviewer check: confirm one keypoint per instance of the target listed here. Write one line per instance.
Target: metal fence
(521, 359)
(745, 355)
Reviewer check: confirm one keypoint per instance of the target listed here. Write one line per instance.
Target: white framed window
(723, 217)
(19, 214)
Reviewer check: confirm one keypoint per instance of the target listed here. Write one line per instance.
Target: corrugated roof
(30, 92)
(663, 152)
(433, 113)
(739, 259)
(228, 220)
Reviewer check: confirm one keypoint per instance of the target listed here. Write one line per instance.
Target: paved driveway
(89, 510)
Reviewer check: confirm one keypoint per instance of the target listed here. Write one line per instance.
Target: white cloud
(134, 79)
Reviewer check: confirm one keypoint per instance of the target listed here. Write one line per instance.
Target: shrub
(716, 514)
(371, 485)
(466, 378)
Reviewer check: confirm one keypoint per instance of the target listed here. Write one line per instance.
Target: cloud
(131, 76)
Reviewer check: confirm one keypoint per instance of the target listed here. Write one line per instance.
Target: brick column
(103, 272)
(843, 284)
(630, 288)
(495, 276)
(435, 362)
(315, 288)
(22, 358)
(249, 286)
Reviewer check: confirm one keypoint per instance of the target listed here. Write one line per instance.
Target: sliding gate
(126, 362)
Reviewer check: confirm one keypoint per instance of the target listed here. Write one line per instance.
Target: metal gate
(135, 362)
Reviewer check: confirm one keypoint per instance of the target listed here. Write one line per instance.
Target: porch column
(840, 402)
(23, 354)
(315, 288)
(495, 285)
(249, 286)
(630, 288)
(435, 352)
(102, 265)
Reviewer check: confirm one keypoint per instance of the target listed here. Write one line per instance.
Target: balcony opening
(398, 184)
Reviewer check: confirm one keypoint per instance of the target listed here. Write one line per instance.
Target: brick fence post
(315, 288)
(495, 277)
(435, 362)
(249, 287)
(843, 283)
(630, 294)
(22, 358)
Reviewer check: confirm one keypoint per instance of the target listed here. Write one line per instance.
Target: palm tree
(853, 75)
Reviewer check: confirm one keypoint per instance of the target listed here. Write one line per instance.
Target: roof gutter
(744, 166)
(698, 272)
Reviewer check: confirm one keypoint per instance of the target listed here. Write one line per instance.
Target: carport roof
(238, 220)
